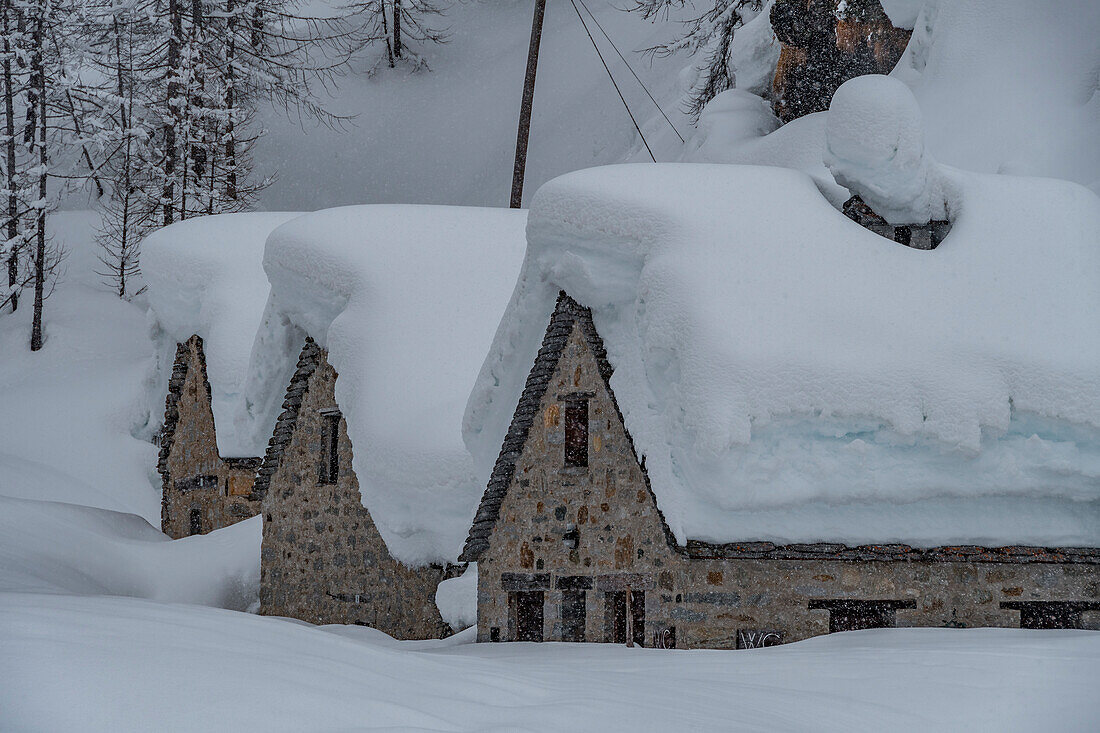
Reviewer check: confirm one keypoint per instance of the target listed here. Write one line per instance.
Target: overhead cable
(628, 66)
(613, 82)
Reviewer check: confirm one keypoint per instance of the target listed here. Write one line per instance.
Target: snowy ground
(95, 634)
(112, 664)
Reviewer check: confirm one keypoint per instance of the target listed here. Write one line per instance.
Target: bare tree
(710, 33)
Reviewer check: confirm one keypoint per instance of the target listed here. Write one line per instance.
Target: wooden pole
(629, 617)
(525, 106)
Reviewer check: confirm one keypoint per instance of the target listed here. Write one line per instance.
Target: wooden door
(528, 605)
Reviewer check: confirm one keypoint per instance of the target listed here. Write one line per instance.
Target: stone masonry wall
(599, 528)
(194, 476)
(323, 560)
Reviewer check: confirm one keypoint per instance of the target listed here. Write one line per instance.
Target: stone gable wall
(189, 450)
(600, 528)
(323, 559)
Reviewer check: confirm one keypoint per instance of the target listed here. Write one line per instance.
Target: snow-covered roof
(406, 300)
(791, 376)
(205, 276)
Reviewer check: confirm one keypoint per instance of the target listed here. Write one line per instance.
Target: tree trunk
(397, 28)
(386, 33)
(230, 100)
(12, 228)
(39, 75)
(172, 123)
(124, 117)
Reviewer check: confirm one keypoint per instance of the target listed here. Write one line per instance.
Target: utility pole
(525, 106)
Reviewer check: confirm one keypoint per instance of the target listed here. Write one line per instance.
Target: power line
(628, 66)
(612, 78)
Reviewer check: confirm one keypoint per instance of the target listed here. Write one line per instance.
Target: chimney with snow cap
(874, 147)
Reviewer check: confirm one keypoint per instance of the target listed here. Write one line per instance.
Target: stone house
(202, 490)
(206, 293)
(323, 559)
(367, 488)
(572, 545)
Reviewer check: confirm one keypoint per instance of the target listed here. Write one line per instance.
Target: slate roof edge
(308, 361)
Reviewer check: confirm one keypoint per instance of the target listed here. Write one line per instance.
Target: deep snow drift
(799, 378)
(406, 300)
(49, 547)
(205, 276)
(106, 664)
(68, 418)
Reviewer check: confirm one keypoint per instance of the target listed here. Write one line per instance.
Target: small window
(576, 433)
(195, 523)
(854, 615)
(1050, 614)
(330, 461)
(196, 483)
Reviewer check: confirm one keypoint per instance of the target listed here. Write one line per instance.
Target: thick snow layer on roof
(205, 276)
(406, 300)
(1005, 86)
(791, 376)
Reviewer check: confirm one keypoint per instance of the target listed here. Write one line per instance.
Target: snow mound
(205, 276)
(405, 299)
(48, 547)
(799, 378)
(874, 146)
(456, 599)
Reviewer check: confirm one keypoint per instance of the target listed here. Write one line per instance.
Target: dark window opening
(852, 615)
(573, 615)
(615, 617)
(1050, 614)
(196, 483)
(527, 607)
(494, 633)
(903, 235)
(576, 433)
(330, 463)
(195, 523)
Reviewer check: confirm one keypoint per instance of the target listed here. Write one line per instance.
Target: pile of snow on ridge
(406, 300)
(205, 276)
(874, 146)
(799, 378)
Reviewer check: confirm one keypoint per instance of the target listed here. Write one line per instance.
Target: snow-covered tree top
(791, 376)
(406, 300)
(205, 276)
